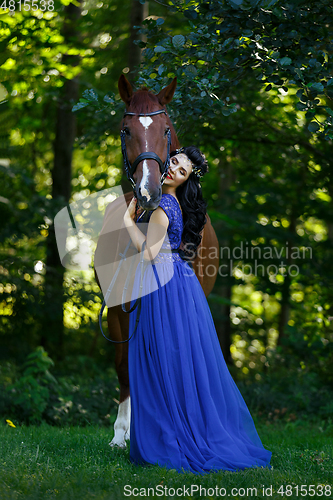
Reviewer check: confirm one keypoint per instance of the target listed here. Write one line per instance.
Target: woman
(186, 411)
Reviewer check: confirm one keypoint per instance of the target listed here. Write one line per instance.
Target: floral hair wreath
(197, 170)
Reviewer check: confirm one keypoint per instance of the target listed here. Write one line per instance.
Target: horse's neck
(174, 139)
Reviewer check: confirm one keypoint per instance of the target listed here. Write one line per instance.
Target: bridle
(150, 155)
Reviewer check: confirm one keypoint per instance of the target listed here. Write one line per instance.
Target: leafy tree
(253, 79)
(281, 44)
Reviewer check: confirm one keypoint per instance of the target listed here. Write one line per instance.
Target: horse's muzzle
(146, 201)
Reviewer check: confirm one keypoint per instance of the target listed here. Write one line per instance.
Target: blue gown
(186, 410)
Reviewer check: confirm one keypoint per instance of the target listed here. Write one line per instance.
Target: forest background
(255, 90)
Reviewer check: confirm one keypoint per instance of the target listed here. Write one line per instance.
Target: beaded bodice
(175, 229)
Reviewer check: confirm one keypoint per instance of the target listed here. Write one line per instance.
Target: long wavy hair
(193, 205)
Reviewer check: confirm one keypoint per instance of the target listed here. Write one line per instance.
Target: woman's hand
(130, 212)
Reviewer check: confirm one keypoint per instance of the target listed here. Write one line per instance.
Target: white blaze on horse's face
(145, 122)
(144, 180)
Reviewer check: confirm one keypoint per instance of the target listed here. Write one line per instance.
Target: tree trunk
(224, 331)
(65, 132)
(285, 306)
(138, 13)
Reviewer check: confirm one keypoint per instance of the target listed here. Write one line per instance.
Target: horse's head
(145, 131)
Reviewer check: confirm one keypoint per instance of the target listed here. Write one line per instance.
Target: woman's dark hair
(193, 205)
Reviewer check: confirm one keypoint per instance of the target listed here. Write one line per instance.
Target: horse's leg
(117, 320)
(207, 258)
(210, 257)
(108, 251)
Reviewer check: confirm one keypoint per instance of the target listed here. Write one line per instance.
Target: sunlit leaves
(313, 127)
(317, 86)
(81, 104)
(90, 97)
(190, 71)
(285, 61)
(279, 44)
(178, 41)
(108, 99)
(160, 48)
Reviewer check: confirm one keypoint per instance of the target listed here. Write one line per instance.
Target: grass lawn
(77, 463)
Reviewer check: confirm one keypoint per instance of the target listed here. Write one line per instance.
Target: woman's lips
(169, 176)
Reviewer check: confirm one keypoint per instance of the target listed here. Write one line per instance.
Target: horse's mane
(144, 101)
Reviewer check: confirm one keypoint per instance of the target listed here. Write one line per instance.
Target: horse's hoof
(120, 444)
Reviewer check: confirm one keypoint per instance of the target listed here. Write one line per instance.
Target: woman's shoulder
(168, 195)
(173, 200)
(169, 204)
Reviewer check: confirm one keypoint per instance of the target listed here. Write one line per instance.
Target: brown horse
(144, 134)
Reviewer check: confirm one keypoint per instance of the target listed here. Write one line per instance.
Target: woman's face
(179, 171)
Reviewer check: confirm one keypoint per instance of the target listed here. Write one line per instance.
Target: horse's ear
(166, 94)
(125, 89)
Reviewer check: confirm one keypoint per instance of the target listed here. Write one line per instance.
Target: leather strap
(153, 113)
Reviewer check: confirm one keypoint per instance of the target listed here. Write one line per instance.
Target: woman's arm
(157, 228)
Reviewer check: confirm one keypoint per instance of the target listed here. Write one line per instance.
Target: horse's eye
(166, 131)
(127, 131)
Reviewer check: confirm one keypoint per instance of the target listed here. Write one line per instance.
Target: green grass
(77, 463)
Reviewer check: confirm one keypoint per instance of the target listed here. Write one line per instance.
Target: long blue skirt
(186, 410)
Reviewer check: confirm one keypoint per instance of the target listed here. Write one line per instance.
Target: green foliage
(32, 394)
(91, 97)
(84, 401)
(288, 395)
(222, 43)
(254, 92)
(88, 395)
(37, 365)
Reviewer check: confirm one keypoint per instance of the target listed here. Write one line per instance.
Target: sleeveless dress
(186, 410)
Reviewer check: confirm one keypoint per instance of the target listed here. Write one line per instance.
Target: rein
(149, 155)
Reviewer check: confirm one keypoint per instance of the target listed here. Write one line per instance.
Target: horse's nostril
(149, 202)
